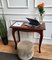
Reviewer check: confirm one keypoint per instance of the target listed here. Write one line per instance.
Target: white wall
(16, 10)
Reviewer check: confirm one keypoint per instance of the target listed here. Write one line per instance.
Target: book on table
(18, 24)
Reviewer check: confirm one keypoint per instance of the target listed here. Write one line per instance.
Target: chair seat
(25, 49)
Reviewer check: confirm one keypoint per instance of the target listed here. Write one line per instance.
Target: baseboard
(45, 41)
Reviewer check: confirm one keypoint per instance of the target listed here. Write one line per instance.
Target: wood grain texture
(46, 50)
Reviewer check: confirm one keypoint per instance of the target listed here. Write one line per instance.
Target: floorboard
(46, 50)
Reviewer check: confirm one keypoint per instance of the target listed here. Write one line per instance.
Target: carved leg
(40, 41)
(18, 36)
(13, 33)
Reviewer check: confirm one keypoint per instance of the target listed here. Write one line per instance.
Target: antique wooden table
(24, 28)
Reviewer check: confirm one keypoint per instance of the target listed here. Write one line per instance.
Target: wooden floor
(46, 50)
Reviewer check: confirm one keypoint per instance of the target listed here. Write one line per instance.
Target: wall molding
(48, 14)
(0, 4)
(44, 41)
(0, 7)
(44, 38)
(16, 7)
